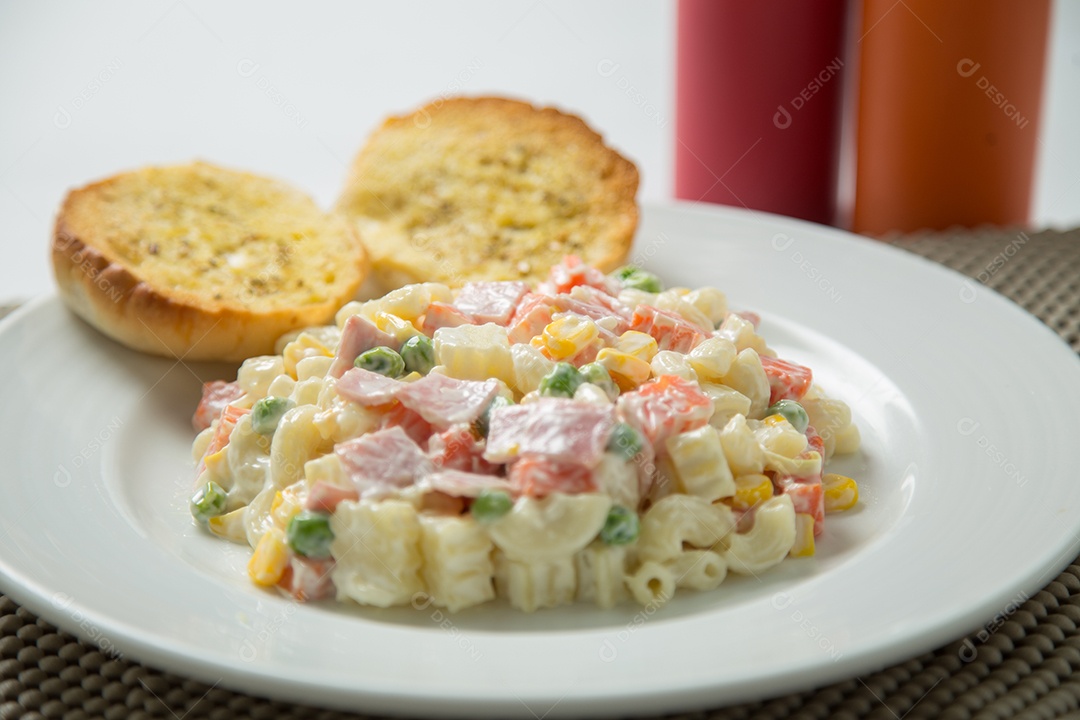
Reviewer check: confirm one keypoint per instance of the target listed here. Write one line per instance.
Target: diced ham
(596, 305)
(537, 476)
(786, 379)
(616, 324)
(440, 315)
(383, 461)
(490, 301)
(596, 296)
(458, 449)
(325, 497)
(368, 388)
(408, 420)
(664, 407)
(814, 441)
(359, 335)
(444, 401)
(572, 272)
(669, 329)
(530, 318)
(215, 396)
(458, 483)
(592, 310)
(557, 428)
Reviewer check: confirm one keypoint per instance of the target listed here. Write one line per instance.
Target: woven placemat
(1020, 664)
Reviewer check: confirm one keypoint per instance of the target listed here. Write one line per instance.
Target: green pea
(490, 505)
(598, 375)
(562, 381)
(625, 441)
(621, 527)
(208, 501)
(792, 411)
(418, 354)
(381, 360)
(308, 533)
(483, 423)
(266, 414)
(635, 278)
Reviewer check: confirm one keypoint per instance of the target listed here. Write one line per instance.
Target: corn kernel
(270, 558)
(284, 506)
(567, 336)
(841, 492)
(774, 420)
(391, 324)
(626, 370)
(751, 490)
(804, 536)
(640, 345)
(305, 345)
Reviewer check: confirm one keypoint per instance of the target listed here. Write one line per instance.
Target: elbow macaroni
(748, 377)
(767, 542)
(377, 552)
(700, 465)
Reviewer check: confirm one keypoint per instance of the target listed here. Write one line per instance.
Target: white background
(291, 90)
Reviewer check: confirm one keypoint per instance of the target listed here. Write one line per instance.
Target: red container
(758, 104)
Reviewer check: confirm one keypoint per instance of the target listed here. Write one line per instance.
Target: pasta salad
(596, 438)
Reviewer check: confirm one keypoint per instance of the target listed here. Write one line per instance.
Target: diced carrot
(530, 318)
(215, 396)
(787, 380)
(226, 422)
(572, 272)
(307, 579)
(807, 495)
(410, 421)
(458, 449)
(537, 476)
(669, 329)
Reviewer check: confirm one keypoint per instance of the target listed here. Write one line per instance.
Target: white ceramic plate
(968, 502)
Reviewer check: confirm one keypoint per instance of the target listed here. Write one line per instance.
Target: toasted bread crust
(146, 314)
(527, 186)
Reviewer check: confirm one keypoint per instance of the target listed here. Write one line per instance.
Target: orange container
(948, 112)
